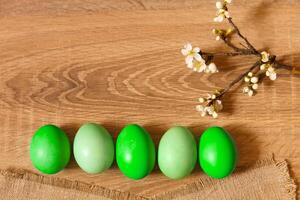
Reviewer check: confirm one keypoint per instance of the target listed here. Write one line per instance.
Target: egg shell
(217, 152)
(177, 152)
(135, 152)
(93, 148)
(50, 149)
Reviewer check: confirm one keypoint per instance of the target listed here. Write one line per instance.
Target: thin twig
(239, 78)
(283, 66)
(235, 48)
(226, 53)
(243, 37)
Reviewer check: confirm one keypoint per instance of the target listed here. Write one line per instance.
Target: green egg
(50, 149)
(135, 152)
(93, 148)
(177, 152)
(217, 152)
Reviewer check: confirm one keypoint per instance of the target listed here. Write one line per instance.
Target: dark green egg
(217, 152)
(50, 149)
(135, 152)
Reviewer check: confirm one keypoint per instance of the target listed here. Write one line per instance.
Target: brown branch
(226, 53)
(243, 37)
(239, 78)
(237, 49)
(283, 66)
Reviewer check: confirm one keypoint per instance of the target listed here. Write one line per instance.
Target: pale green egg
(93, 148)
(177, 152)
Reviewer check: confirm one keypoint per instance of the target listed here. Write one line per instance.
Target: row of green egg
(135, 152)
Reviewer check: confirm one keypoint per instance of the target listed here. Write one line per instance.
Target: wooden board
(119, 62)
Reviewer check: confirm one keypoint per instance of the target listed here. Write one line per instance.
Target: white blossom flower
(219, 5)
(191, 53)
(211, 68)
(202, 67)
(265, 56)
(222, 33)
(212, 107)
(252, 85)
(201, 100)
(222, 11)
(221, 15)
(197, 65)
(201, 109)
(254, 79)
(264, 66)
(248, 91)
(211, 110)
(246, 79)
(271, 73)
(194, 60)
(255, 86)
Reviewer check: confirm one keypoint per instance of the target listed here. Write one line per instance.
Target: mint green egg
(93, 148)
(177, 152)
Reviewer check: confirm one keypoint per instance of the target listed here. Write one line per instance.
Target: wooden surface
(119, 62)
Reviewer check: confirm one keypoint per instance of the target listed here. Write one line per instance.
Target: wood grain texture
(119, 62)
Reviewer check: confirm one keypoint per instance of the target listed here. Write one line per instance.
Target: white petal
(209, 110)
(263, 67)
(255, 86)
(184, 52)
(254, 79)
(202, 68)
(196, 49)
(214, 114)
(198, 57)
(273, 76)
(188, 46)
(207, 70)
(212, 68)
(228, 1)
(250, 92)
(264, 56)
(268, 73)
(219, 18)
(199, 108)
(245, 89)
(271, 69)
(226, 14)
(219, 5)
(201, 100)
(189, 59)
(190, 65)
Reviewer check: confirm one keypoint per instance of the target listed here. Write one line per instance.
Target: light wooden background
(117, 62)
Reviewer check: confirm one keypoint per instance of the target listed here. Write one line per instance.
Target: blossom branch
(202, 62)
